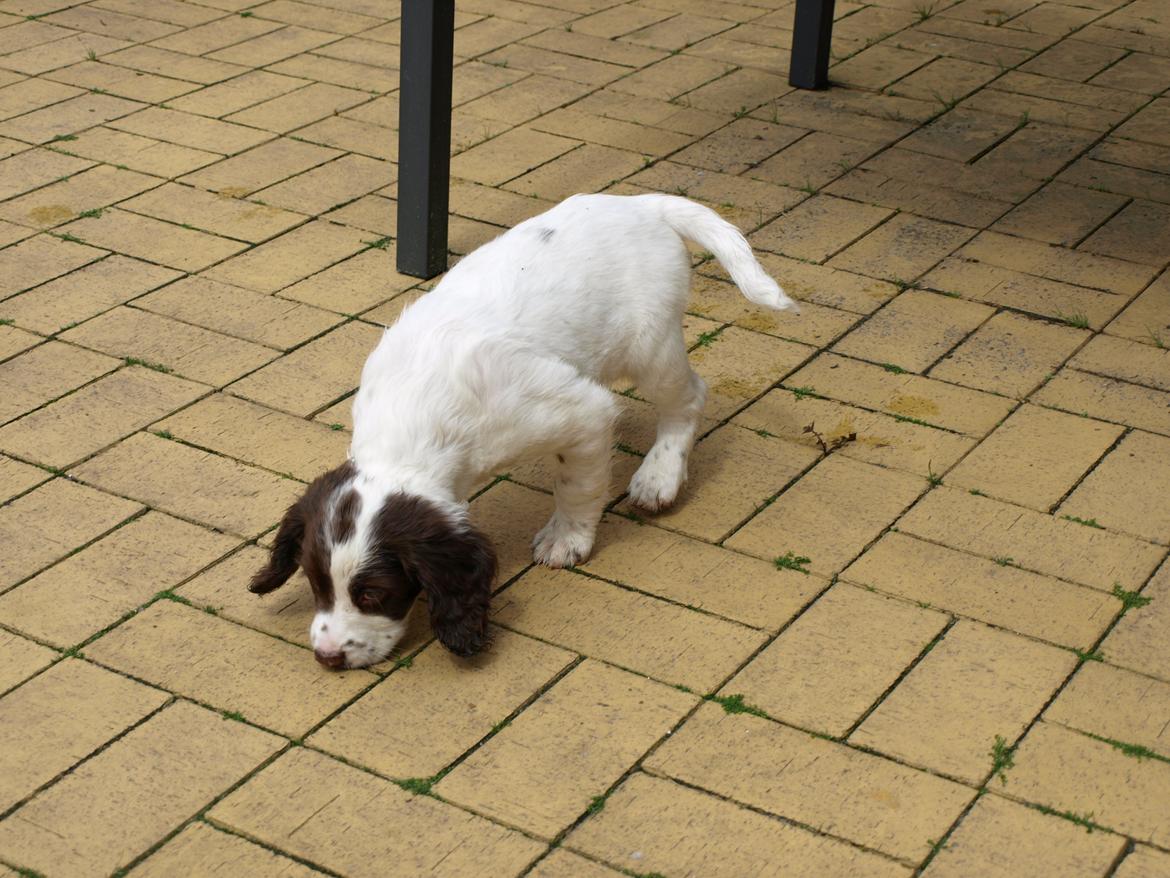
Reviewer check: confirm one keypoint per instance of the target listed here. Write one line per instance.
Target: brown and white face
(367, 557)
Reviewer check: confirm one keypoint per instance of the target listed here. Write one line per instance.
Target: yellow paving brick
(1138, 233)
(235, 94)
(830, 515)
(1001, 838)
(816, 229)
(1065, 770)
(200, 848)
(1032, 540)
(1147, 318)
(563, 864)
(914, 330)
(353, 285)
(59, 718)
(510, 515)
(977, 684)
(878, 66)
(35, 167)
(1060, 214)
(274, 46)
(878, 438)
(821, 784)
(17, 477)
(739, 365)
(1035, 457)
(59, 53)
(227, 666)
(691, 649)
(206, 38)
(1023, 292)
(720, 300)
(140, 153)
(254, 434)
(328, 185)
(541, 772)
(693, 573)
(47, 372)
(152, 240)
(314, 375)
(928, 199)
(372, 213)
(84, 293)
(67, 117)
(155, 60)
(509, 156)
(132, 84)
(671, 77)
(903, 248)
(587, 168)
(616, 133)
(40, 259)
(1010, 354)
(260, 167)
(586, 45)
(58, 203)
(112, 24)
(836, 660)
(13, 341)
(1108, 400)
(32, 94)
(738, 146)
(611, 23)
(961, 134)
(190, 351)
(22, 659)
(95, 416)
(193, 484)
(732, 472)
(473, 695)
(354, 135)
(998, 594)
(1127, 490)
(297, 803)
(1125, 360)
(120, 572)
(652, 823)
(339, 72)
(828, 286)
(1147, 74)
(813, 160)
(219, 214)
(288, 111)
(50, 522)
(1034, 257)
(234, 311)
(187, 129)
(148, 782)
(1117, 704)
(291, 257)
(1144, 862)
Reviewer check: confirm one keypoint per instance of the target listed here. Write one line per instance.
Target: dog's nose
(334, 661)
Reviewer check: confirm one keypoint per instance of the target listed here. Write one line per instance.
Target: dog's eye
(368, 597)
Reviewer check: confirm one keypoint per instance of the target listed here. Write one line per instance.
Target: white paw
(656, 484)
(562, 544)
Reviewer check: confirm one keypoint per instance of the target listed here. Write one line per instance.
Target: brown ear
(449, 560)
(285, 556)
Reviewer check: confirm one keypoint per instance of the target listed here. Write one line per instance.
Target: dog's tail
(710, 231)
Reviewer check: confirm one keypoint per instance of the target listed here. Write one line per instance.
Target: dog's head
(367, 555)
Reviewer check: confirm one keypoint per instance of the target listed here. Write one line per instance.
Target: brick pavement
(912, 614)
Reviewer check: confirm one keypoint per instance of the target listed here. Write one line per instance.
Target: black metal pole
(812, 32)
(424, 135)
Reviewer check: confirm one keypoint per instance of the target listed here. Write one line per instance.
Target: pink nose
(334, 661)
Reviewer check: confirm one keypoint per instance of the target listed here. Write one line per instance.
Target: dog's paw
(561, 544)
(656, 484)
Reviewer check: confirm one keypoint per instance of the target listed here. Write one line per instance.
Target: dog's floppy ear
(287, 547)
(448, 559)
(458, 580)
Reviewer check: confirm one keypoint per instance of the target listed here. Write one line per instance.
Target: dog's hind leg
(679, 395)
(582, 480)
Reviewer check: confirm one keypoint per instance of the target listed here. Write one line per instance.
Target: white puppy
(509, 357)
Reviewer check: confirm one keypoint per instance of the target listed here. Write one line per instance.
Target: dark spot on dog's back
(345, 516)
(545, 234)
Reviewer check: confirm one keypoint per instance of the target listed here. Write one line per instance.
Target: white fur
(511, 354)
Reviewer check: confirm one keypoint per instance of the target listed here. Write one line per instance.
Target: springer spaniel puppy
(509, 357)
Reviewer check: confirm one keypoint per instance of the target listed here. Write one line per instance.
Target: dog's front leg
(582, 483)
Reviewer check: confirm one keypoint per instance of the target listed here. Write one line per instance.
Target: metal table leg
(812, 32)
(424, 135)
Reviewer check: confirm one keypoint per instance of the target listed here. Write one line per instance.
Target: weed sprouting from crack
(934, 478)
(336, 427)
(1135, 751)
(1085, 820)
(801, 392)
(157, 367)
(1002, 758)
(597, 803)
(1087, 522)
(891, 367)
(1092, 656)
(792, 561)
(706, 339)
(380, 244)
(736, 704)
(832, 444)
(234, 715)
(420, 786)
(1130, 600)
(1003, 561)
(1080, 321)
